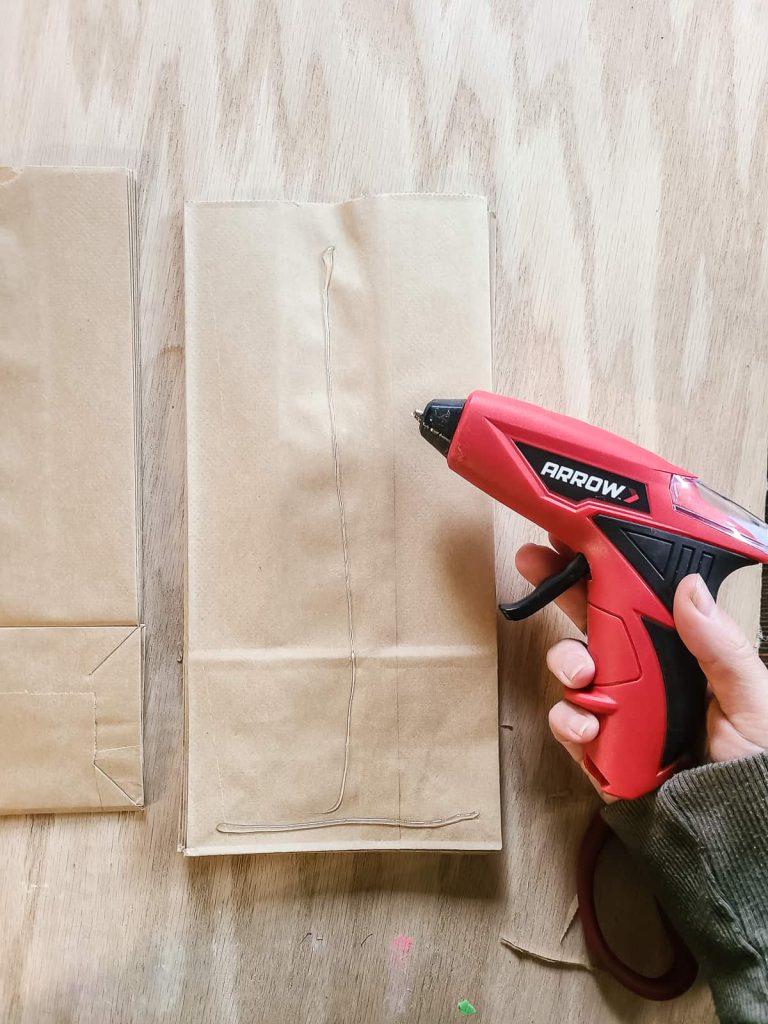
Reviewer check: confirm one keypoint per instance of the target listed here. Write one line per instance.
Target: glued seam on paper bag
(340, 639)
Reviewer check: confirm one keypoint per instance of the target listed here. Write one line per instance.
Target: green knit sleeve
(703, 837)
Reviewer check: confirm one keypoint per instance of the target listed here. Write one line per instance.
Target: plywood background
(624, 148)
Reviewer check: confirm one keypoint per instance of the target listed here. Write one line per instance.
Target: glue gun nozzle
(438, 421)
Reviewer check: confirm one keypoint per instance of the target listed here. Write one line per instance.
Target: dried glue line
(328, 264)
(298, 826)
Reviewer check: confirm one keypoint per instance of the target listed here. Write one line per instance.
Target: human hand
(737, 713)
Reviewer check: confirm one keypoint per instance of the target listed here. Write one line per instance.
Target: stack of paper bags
(340, 630)
(70, 635)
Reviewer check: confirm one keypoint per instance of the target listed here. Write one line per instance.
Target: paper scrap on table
(341, 638)
(70, 634)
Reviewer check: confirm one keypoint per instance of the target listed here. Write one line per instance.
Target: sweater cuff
(725, 802)
(703, 837)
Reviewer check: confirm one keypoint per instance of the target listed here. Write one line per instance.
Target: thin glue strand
(328, 264)
(298, 826)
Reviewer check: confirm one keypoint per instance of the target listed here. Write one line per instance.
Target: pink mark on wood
(398, 989)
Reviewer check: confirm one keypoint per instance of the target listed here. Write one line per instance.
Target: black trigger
(546, 592)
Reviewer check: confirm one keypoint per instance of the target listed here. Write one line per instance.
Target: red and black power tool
(639, 525)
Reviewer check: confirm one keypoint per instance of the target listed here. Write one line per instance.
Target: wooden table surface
(624, 149)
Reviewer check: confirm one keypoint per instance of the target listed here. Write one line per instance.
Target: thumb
(737, 677)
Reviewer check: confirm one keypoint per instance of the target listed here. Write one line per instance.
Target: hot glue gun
(639, 525)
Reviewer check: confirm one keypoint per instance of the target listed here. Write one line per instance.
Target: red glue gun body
(641, 524)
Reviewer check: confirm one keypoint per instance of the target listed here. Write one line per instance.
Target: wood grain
(624, 148)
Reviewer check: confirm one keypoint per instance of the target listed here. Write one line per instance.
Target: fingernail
(701, 598)
(586, 726)
(571, 669)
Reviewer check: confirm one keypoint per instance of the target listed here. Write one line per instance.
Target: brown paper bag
(340, 630)
(70, 640)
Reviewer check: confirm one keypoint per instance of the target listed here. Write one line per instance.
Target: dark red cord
(675, 981)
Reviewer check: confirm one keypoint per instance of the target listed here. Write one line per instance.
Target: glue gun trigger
(546, 592)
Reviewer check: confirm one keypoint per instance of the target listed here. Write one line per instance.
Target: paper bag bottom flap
(70, 719)
(269, 769)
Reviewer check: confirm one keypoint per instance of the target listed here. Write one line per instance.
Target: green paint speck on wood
(466, 1008)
